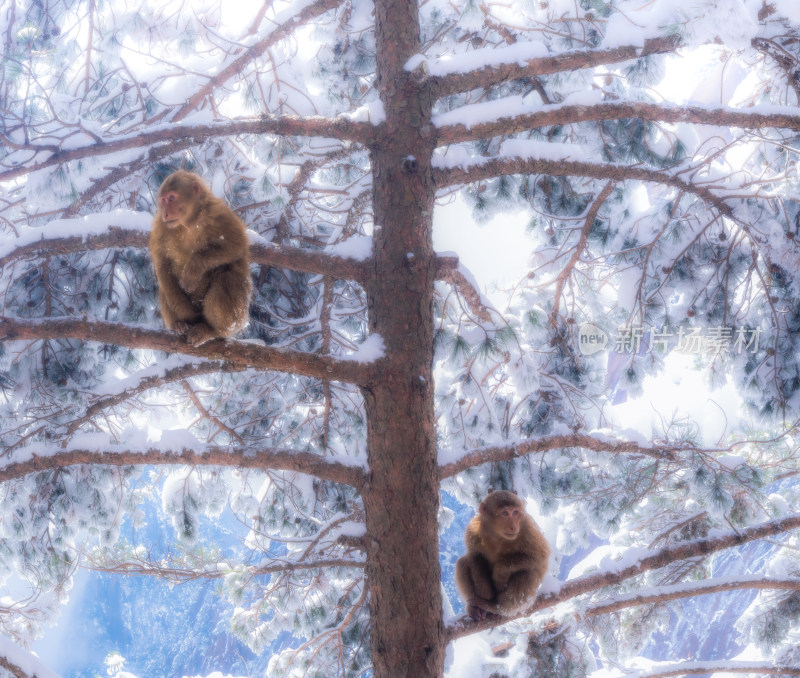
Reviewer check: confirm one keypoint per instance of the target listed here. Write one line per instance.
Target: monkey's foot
(199, 334)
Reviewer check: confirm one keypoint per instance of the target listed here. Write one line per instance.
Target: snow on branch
(513, 115)
(633, 563)
(487, 67)
(241, 353)
(451, 464)
(450, 270)
(36, 458)
(181, 136)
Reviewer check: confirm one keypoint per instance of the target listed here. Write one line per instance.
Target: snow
(371, 350)
(358, 247)
(519, 53)
(27, 662)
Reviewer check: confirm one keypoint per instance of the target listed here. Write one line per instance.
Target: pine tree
(374, 374)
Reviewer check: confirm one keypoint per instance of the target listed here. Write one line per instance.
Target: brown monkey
(200, 252)
(507, 558)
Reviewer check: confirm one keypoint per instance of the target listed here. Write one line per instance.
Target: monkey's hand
(478, 608)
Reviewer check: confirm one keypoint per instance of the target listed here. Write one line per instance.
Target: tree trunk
(407, 631)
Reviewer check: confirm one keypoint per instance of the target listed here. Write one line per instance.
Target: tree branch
(182, 136)
(484, 455)
(651, 560)
(695, 668)
(240, 457)
(179, 575)
(279, 256)
(547, 116)
(510, 165)
(452, 83)
(665, 594)
(240, 353)
(448, 269)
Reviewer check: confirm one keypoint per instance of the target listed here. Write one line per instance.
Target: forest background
(308, 468)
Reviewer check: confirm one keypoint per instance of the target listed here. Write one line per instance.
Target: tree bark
(406, 632)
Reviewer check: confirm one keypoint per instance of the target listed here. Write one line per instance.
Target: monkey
(200, 253)
(506, 560)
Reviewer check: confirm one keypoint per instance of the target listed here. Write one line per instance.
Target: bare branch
(240, 457)
(497, 453)
(655, 560)
(567, 61)
(547, 116)
(241, 353)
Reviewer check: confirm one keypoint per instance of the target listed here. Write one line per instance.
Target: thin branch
(484, 455)
(235, 67)
(547, 116)
(489, 76)
(200, 455)
(588, 224)
(655, 560)
(152, 382)
(245, 354)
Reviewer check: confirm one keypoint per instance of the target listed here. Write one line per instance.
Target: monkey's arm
(175, 303)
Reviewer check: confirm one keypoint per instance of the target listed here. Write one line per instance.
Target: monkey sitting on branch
(200, 252)
(507, 558)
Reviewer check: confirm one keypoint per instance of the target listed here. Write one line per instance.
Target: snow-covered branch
(279, 256)
(25, 461)
(635, 563)
(241, 353)
(558, 167)
(524, 60)
(180, 575)
(449, 467)
(21, 663)
(182, 136)
(664, 594)
(709, 667)
(513, 115)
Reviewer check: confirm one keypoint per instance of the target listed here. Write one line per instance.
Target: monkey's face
(507, 521)
(174, 208)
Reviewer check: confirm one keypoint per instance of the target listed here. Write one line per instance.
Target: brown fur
(201, 255)
(507, 558)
